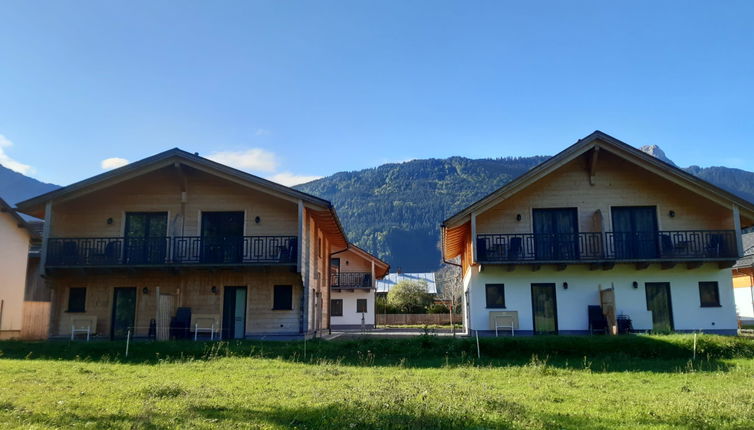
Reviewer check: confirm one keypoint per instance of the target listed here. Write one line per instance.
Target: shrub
(437, 308)
(410, 297)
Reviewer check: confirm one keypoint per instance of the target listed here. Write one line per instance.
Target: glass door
(222, 237)
(556, 234)
(544, 308)
(124, 312)
(635, 232)
(658, 301)
(145, 237)
(234, 313)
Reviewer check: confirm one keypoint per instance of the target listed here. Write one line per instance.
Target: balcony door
(145, 237)
(635, 232)
(334, 272)
(556, 234)
(222, 237)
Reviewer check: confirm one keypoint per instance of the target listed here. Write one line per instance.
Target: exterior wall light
(109, 221)
(565, 285)
(671, 214)
(145, 291)
(518, 217)
(214, 289)
(635, 284)
(257, 220)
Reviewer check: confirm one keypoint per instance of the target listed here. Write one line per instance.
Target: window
(361, 306)
(283, 298)
(495, 296)
(77, 300)
(709, 294)
(336, 307)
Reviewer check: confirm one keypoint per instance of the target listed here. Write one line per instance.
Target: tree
(410, 296)
(450, 287)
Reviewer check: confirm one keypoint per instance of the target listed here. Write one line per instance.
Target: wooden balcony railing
(609, 246)
(351, 280)
(178, 250)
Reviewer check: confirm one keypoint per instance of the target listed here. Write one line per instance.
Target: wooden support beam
(608, 266)
(667, 265)
(726, 264)
(641, 266)
(593, 164)
(693, 265)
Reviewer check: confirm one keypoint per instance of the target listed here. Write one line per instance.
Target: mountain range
(395, 210)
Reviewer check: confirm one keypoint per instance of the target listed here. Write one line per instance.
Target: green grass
(425, 382)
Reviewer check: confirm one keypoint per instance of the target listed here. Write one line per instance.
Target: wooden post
(737, 227)
(473, 238)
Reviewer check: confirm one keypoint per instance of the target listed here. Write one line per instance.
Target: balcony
(351, 280)
(690, 245)
(173, 251)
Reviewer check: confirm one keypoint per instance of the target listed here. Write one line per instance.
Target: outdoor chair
(205, 324)
(597, 320)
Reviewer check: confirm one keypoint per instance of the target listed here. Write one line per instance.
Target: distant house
(177, 246)
(743, 282)
(353, 277)
(598, 231)
(16, 240)
(393, 279)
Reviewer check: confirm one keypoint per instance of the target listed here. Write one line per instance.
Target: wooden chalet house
(605, 225)
(176, 245)
(353, 283)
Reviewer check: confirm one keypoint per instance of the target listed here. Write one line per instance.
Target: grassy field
(425, 382)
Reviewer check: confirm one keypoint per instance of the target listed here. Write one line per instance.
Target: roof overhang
(20, 222)
(177, 158)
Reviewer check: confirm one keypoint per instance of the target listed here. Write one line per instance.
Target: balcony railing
(615, 246)
(178, 250)
(351, 280)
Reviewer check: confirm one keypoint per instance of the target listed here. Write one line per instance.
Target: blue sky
(288, 89)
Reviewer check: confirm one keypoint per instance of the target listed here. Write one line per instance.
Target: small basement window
(336, 307)
(283, 298)
(709, 294)
(361, 306)
(77, 300)
(495, 296)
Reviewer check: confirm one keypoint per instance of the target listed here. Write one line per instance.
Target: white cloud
(10, 163)
(113, 163)
(255, 159)
(263, 132)
(289, 179)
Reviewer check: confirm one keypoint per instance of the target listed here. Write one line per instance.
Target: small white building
(598, 231)
(743, 283)
(353, 277)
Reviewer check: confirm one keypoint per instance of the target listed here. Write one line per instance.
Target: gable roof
(381, 267)
(176, 156)
(619, 148)
(6, 208)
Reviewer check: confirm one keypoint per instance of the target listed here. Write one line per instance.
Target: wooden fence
(417, 319)
(36, 320)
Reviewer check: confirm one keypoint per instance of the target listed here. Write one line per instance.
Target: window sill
(75, 312)
(282, 309)
(711, 306)
(496, 308)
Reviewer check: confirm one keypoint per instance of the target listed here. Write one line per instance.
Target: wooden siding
(161, 191)
(193, 288)
(352, 262)
(617, 183)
